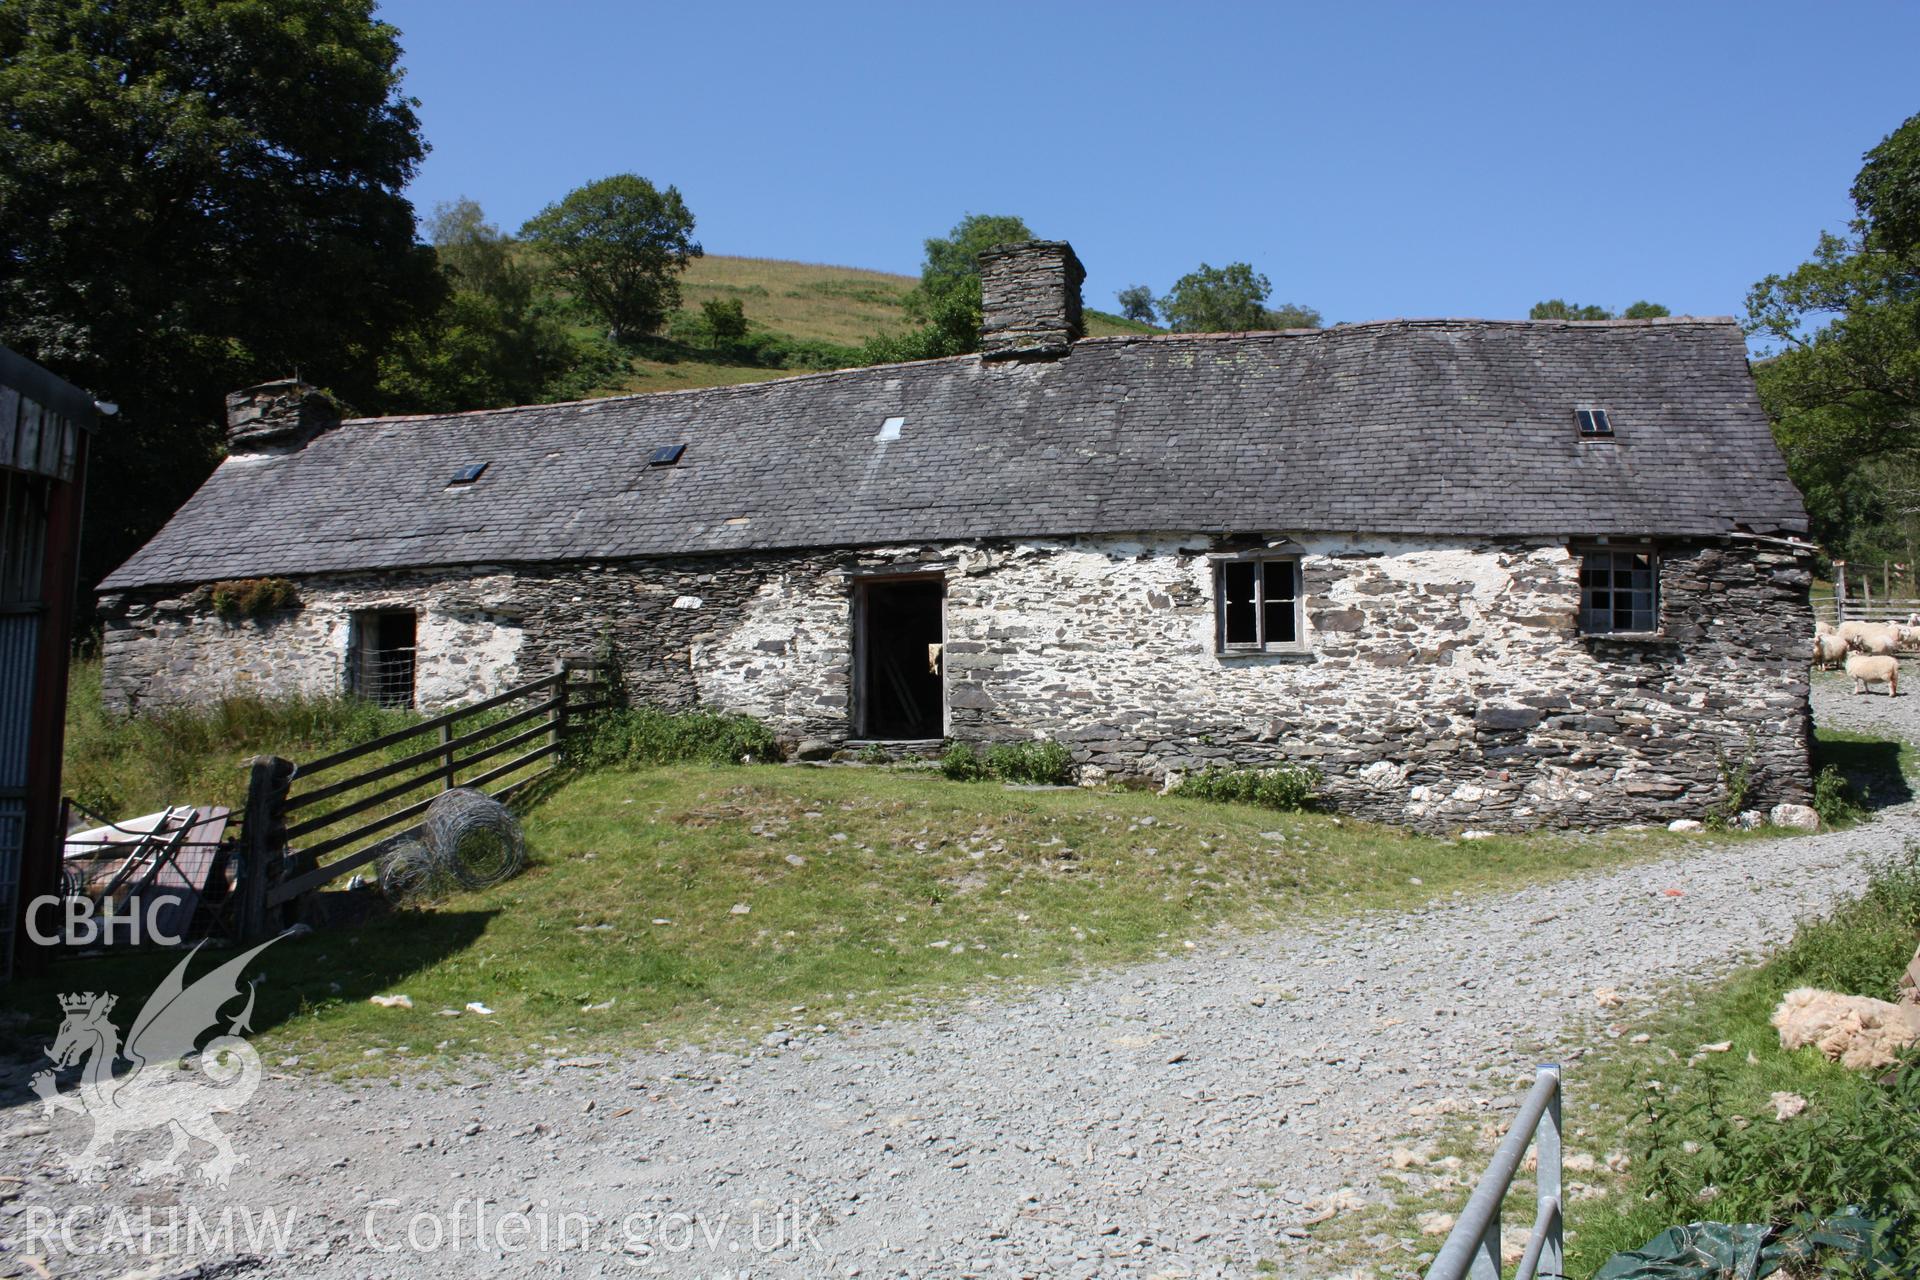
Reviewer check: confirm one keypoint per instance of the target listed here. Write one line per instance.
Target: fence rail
(478, 745)
(1855, 609)
(1886, 592)
(1472, 1248)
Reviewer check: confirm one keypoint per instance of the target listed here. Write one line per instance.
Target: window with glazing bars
(1258, 604)
(1619, 590)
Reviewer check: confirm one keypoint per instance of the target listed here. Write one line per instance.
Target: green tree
(1291, 315)
(620, 244)
(490, 343)
(476, 256)
(1136, 303)
(1840, 371)
(945, 305)
(1561, 309)
(1887, 190)
(726, 320)
(196, 196)
(1217, 300)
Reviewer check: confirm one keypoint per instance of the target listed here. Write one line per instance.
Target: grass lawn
(695, 902)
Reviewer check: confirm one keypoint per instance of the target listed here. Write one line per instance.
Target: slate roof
(1405, 426)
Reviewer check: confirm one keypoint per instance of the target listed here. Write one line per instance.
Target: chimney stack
(278, 416)
(1030, 300)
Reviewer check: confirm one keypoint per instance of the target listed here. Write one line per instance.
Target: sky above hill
(1372, 160)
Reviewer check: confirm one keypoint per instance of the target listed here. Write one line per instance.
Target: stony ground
(1186, 1118)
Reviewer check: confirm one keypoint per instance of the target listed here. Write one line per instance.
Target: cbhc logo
(86, 923)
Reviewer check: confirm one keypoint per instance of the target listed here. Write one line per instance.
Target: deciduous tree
(945, 306)
(1561, 309)
(1291, 315)
(490, 343)
(195, 196)
(1136, 303)
(1841, 333)
(620, 244)
(726, 320)
(1217, 300)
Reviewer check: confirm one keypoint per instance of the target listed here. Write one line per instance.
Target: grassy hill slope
(800, 300)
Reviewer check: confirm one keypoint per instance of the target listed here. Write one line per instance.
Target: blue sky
(1371, 159)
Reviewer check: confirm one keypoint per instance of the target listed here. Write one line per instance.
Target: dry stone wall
(1445, 687)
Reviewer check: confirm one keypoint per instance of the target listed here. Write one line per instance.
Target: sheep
(1822, 627)
(1829, 651)
(1882, 641)
(1871, 669)
(1871, 637)
(1856, 1031)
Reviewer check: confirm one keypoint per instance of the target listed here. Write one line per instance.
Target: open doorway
(899, 632)
(380, 659)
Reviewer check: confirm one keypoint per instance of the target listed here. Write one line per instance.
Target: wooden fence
(308, 823)
(1870, 593)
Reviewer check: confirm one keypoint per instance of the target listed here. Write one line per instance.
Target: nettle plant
(253, 597)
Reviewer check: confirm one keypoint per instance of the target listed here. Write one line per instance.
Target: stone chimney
(1029, 300)
(277, 416)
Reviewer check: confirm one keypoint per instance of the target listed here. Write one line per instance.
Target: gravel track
(1182, 1118)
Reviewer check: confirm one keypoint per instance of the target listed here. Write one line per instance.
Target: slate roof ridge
(1418, 322)
(719, 392)
(828, 375)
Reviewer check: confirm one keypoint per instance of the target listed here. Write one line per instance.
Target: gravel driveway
(1182, 1118)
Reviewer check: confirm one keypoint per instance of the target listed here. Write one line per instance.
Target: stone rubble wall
(1446, 686)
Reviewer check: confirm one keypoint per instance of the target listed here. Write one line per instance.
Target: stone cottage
(1478, 573)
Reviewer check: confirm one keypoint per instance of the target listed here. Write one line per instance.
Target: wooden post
(562, 669)
(262, 842)
(446, 756)
(1886, 580)
(1839, 592)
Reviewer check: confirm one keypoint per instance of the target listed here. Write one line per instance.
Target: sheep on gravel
(1829, 651)
(1869, 669)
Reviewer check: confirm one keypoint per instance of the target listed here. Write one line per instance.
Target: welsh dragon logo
(158, 1092)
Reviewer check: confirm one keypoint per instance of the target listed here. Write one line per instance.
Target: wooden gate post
(563, 677)
(262, 841)
(1839, 592)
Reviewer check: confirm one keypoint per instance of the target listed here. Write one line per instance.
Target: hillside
(803, 301)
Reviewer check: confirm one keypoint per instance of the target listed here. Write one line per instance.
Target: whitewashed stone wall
(1446, 685)
(178, 650)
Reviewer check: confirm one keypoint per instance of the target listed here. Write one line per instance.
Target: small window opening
(1258, 604)
(467, 474)
(666, 455)
(381, 653)
(1593, 422)
(890, 429)
(1619, 591)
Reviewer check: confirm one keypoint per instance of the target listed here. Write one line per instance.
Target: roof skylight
(890, 429)
(666, 455)
(467, 474)
(1593, 422)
